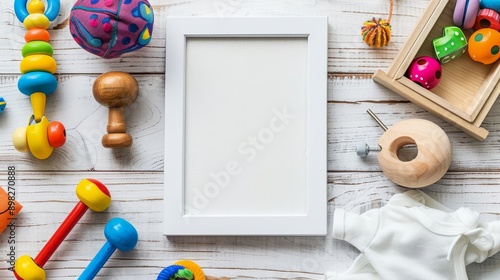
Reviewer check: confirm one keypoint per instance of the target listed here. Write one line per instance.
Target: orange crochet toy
(377, 32)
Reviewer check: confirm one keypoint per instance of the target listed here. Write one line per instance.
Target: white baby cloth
(414, 237)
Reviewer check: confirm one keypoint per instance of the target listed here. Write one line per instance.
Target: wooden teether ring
(433, 157)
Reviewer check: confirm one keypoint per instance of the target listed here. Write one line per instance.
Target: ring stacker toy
(92, 194)
(38, 66)
(183, 269)
(120, 235)
(433, 152)
(465, 12)
(116, 90)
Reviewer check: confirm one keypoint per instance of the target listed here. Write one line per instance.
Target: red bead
(487, 19)
(56, 134)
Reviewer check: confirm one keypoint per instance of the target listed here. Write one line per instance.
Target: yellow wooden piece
(38, 140)
(36, 7)
(430, 164)
(92, 196)
(26, 268)
(36, 21)
(38, 101)
(19, 140)
(38, 62)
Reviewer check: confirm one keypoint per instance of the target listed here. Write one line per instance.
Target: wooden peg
(116, 90)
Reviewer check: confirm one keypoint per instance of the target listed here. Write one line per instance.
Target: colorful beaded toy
(38, 66)
(182, 270)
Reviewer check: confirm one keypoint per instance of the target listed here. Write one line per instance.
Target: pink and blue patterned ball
(110, 28)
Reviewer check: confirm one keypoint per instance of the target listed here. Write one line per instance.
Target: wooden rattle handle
(116, 120)
(430, 164)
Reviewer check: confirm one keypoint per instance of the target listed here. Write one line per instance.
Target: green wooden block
(452, 45)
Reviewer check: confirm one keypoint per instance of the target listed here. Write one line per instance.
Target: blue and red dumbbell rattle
(120, 235)
(92, 194)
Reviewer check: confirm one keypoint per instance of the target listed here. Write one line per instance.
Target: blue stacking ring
(37, 81)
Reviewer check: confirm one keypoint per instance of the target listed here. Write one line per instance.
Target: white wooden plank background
(135, 177)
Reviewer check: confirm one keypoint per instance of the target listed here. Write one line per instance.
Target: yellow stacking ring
(36, 21)
(38, 62)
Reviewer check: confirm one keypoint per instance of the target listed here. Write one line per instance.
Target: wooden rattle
(92, 194)
(116, 90)
(433, 156)
(120, 235)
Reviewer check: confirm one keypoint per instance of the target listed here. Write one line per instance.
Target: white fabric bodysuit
(414, 237)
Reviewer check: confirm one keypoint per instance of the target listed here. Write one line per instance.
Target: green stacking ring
(37, 47)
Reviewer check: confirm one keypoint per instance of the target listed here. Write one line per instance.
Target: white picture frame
(246, 151)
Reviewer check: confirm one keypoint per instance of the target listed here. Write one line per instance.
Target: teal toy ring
(51, 12)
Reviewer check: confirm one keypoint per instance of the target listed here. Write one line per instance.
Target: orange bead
(56, 134)
(37, 34)
(484, 45)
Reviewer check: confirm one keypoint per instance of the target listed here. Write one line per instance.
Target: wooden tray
(467, 89)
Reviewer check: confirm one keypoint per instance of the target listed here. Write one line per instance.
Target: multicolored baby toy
(38, 66)
(93, 195)
(109, 28)
(183, 269)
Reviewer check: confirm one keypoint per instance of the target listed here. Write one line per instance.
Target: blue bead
(490, 4)
(2, 104)
(37, 81)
